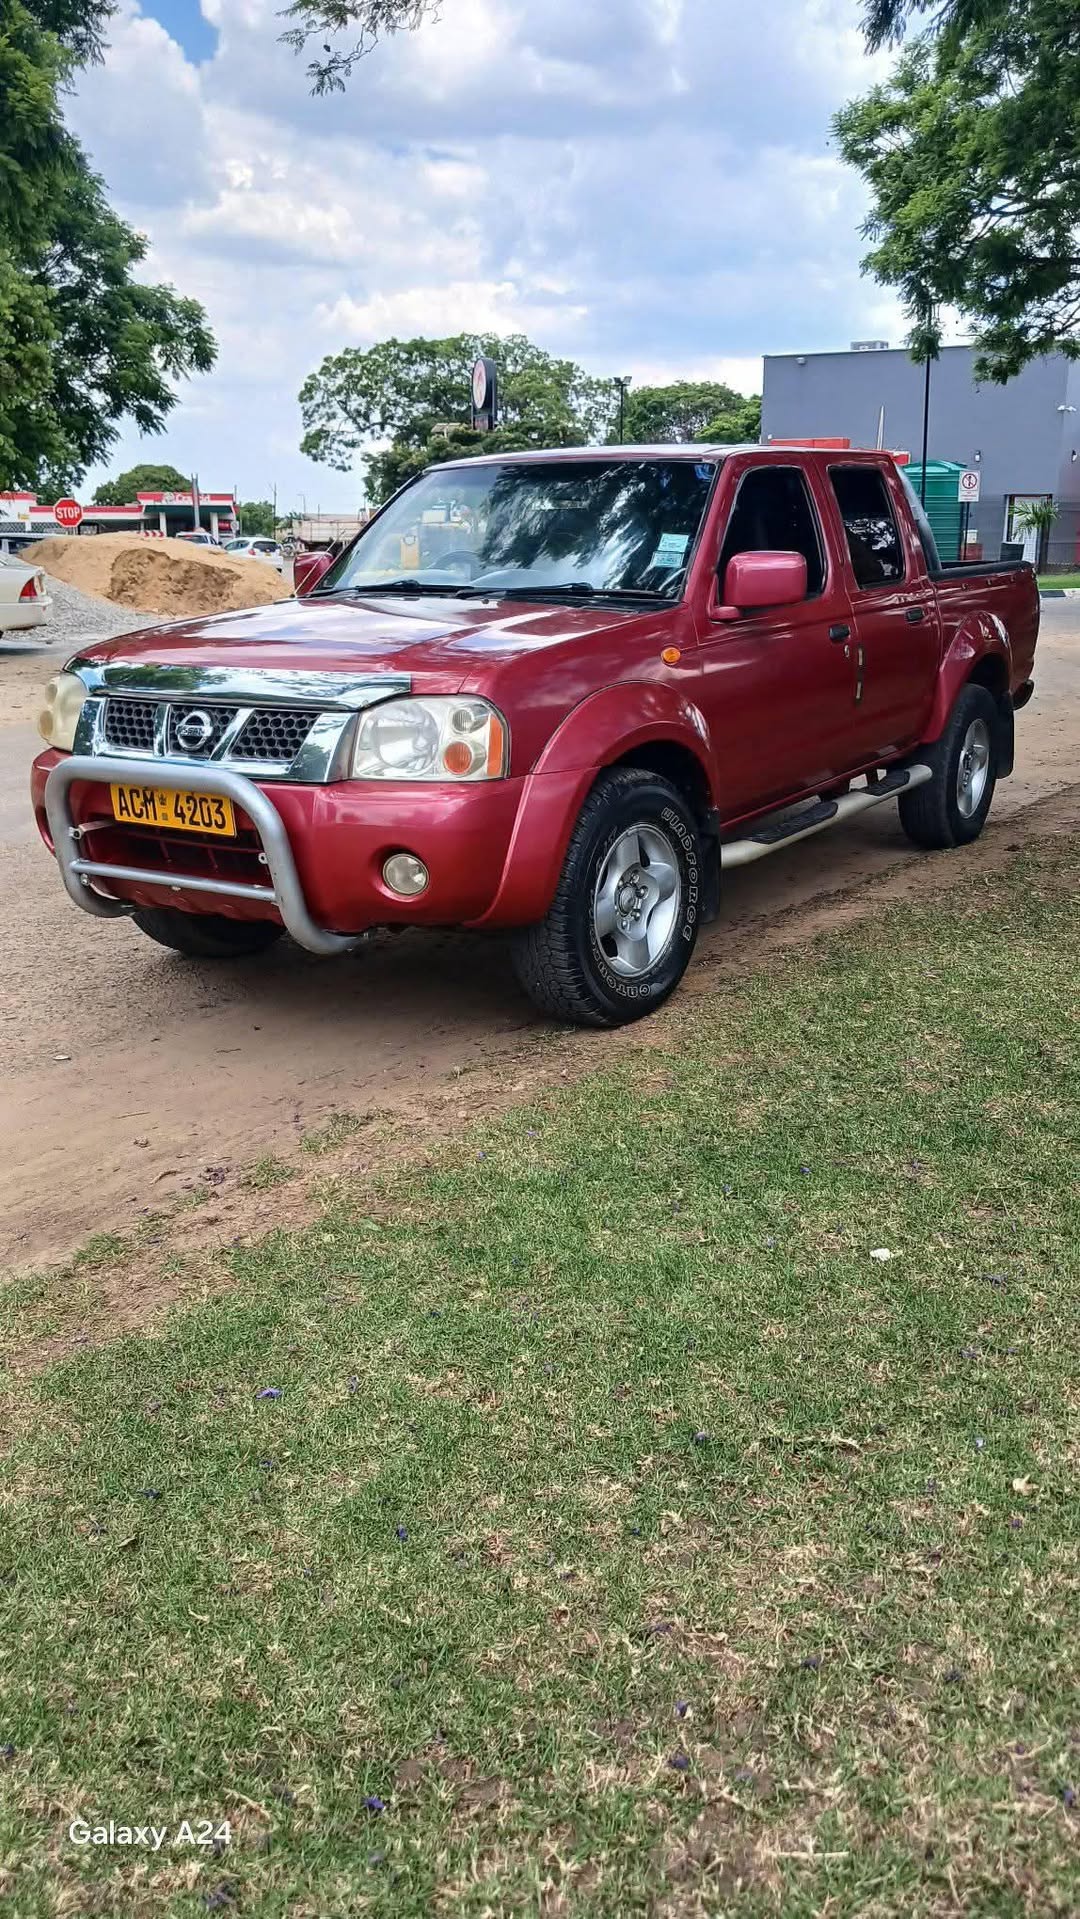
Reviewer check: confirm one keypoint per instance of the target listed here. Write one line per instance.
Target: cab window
(873, 537)
(773, 512)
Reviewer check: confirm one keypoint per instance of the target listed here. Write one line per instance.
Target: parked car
(199, 539)
(256, 548)
(638, 669)
(24, 597)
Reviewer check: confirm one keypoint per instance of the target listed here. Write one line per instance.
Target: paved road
(126, 1071)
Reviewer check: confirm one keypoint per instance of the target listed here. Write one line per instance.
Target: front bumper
(310, 856)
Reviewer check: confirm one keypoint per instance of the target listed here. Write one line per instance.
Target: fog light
(405, 874)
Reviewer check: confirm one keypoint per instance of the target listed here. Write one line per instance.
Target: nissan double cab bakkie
(558, 694)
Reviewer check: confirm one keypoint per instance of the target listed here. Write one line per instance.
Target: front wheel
(206, 935)
(623, 924)
(951, 809)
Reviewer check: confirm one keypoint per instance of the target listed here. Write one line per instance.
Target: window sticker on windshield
(671, 549)
(703, 471)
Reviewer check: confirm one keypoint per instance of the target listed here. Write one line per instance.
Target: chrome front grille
(272, 723)
(270, 735)
(274, 733)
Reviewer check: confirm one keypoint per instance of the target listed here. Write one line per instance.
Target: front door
(777, 685)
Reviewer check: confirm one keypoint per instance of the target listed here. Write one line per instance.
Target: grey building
(1024, 437)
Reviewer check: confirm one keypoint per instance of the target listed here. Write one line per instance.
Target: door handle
(914, 614)
(840, 632)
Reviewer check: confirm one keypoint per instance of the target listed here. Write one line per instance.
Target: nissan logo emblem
(194, 731)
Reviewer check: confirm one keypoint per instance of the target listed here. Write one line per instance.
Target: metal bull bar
(285, 891)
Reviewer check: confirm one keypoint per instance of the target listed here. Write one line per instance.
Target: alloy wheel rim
(637, 900)
(973, 770)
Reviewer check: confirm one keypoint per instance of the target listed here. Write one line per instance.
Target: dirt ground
(132, 1078)
(171, 577)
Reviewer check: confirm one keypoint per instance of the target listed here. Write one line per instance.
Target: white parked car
(257, 548)
(24, 597)
(199, 539)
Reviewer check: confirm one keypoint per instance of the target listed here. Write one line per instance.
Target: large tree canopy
(972, 151)
(141, 479)
(690, 410)
(415, 395)
(83, 343)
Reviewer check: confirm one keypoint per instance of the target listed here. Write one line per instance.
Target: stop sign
(67, 512)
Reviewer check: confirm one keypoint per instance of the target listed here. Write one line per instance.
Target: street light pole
(925, 430)
(622, 381)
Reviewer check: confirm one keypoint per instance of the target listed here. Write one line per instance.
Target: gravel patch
(75, 617)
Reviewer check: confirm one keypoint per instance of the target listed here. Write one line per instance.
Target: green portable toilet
(943, 508)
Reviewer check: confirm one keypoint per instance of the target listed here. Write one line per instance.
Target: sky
(646, 186)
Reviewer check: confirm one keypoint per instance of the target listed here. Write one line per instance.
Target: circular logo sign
(67, 512)
(193, 731)
(479, 384)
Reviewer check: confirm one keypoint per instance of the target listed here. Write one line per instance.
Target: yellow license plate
(173, 812)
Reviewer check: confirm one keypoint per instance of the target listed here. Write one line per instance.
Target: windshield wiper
(558, 589)
(448, 590)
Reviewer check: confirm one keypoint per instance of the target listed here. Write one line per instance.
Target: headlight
(64, 700)
(431, 739)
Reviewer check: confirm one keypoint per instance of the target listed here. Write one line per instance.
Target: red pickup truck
(558, 693)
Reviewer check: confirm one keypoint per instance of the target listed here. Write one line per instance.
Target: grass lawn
(1058, 579)
(595, 1526)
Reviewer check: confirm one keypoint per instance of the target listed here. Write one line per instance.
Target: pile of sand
(161, 576)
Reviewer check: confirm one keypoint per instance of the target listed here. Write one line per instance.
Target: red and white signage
(969, 485)
(67, 513)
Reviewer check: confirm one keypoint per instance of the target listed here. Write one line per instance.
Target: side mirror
(753, 580)
(308, 569)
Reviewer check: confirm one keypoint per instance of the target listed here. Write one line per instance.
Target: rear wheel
(206, 935)
(620, 931)
(951, 809)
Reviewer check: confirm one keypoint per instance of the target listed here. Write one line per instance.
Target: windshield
(605, 526)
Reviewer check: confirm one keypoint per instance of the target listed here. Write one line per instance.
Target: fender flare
(982, 637)
(602, 729)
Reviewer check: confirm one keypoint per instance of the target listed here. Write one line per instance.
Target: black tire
(561, 962)
(932, 814)
(206, 935)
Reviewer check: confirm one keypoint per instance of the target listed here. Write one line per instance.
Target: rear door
(894, 611)
(777, 684)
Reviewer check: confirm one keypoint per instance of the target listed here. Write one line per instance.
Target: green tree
(257, 518)
(736, 424)
(680, 411)
(83, 343)
(141, 479)
(972, 151)
(415, 395)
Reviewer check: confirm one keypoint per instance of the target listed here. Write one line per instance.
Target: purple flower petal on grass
(679, 1762)
(402, 1532)
(269, 1392)
(682, 1707)
(374, 1804)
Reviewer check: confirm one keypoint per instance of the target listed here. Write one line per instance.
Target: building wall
(1024, 441)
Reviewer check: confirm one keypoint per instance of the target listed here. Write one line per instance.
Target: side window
(877, 557)
(773, 511)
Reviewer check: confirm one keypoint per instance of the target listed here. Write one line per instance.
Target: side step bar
(783, 829)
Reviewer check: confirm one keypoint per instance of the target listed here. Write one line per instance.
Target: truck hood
(450, 640)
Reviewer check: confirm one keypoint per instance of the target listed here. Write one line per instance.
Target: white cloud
(645, 185)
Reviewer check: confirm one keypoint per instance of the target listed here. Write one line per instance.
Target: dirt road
(128, 1072)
